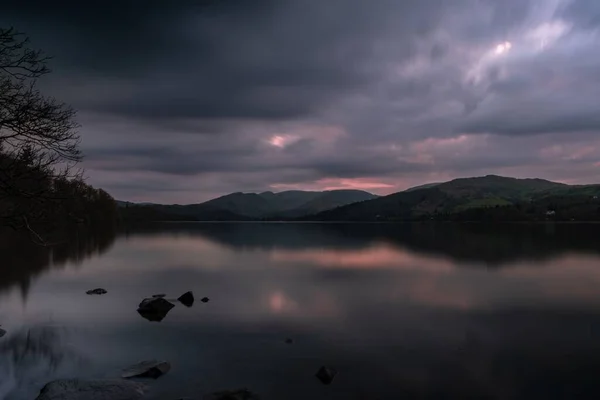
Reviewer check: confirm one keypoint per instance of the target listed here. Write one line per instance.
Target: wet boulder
(100, 389)
(239, 394)
(187, 299)
(326, 375)
(155, 309)
(147, 369)
(97, 291)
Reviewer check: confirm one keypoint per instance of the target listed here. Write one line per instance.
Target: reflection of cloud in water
(278, 302)
(320, 304)
(494, 245)
(389, 306)
(571, 277)
(379, 255)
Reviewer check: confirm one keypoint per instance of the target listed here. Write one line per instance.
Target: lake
(401, 311)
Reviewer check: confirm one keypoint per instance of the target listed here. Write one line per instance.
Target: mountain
(329, 200)
(449, 199)
(249, 206)
(425, 186)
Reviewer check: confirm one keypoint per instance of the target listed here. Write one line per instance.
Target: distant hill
(326, 201)
(487, 198)
(425, 186)
(451, 199)
(250, 206)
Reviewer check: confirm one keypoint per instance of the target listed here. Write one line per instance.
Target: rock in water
(97, 291)
(240, 394)
(154, 309)
(2, 332)
(187, 299)
(204, 299)
(147, 369)
(289, 340)
(102, 389)
(326, 375)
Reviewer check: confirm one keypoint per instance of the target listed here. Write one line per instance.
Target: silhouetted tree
(39, 149)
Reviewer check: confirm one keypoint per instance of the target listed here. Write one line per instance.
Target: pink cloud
(379, 256)
(322, 134)
(336, 184)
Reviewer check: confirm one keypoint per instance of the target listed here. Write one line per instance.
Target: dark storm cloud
(259, 59)
(237, 59)
(220, 96)
(193, 161)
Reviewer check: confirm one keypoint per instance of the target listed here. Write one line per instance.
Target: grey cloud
(585, 13)
(184, 95)
(193, 161)
(228, 59)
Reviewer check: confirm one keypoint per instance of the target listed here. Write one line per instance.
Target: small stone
(161, 295)
(239, 394)
(289, 340)
(101, 389)
(147, 369)
(187, 299)
(154, 309)
(204, 299)
(326, 375)
(97, 291)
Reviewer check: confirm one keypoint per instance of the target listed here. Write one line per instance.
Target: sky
(182, 101)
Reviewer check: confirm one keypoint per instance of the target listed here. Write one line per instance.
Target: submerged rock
(155, 309)
(204, 299)
(147, 369)
(101, 389)
(187, 299)
(97, 291)
(326, 375)
(239, 394)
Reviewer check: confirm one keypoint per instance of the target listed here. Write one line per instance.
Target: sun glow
(503, 48)
(282, 141)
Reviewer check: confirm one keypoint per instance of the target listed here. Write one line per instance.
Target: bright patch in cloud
(503, 48)
(547, 33)
(282, 141)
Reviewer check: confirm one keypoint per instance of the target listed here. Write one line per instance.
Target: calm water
(401, 311)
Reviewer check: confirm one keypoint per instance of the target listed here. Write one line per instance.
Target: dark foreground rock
(147, 369)
(97, 291)
(240, 394)
(2, 332)
(326, 375)
(101, 389)
(187, 299)
(155, 309)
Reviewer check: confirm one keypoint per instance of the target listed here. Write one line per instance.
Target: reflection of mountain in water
(22, 260)
(494, 244)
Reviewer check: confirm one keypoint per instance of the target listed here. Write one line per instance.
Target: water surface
(401, 311)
